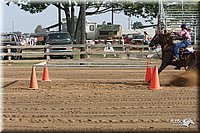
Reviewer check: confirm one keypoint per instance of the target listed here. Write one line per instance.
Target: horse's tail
(197, 54)
(196, 57)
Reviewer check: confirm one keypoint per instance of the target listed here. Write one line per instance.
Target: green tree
(146, 10)
(136, 25)
(38, 29)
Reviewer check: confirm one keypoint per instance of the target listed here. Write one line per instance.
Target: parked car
(60, 42)
(128, 38)
(137, 39)
(10, 39)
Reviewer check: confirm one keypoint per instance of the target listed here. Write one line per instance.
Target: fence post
(47, 52)
(127, 52)
(9, 52)
(88, 50)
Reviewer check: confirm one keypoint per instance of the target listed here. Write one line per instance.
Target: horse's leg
(162, 67)
(166, 60)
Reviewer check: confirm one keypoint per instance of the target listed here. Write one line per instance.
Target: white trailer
(103, 33)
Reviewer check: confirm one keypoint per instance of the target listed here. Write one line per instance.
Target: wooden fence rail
(91, 49)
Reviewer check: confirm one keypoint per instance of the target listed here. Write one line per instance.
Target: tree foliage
(39, 29)
(146, 10)
(136, 25)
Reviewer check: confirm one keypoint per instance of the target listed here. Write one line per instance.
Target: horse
(188, 60)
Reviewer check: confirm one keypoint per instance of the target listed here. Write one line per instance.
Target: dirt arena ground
(96, 99)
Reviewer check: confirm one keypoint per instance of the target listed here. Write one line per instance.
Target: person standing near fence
(109, 48)
(35, 40)
(146, 39)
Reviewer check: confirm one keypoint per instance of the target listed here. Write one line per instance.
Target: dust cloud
(186, 79)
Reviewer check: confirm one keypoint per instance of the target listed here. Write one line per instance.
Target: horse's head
(155, 41)
(159, 39)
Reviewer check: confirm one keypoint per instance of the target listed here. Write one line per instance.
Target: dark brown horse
(188, 60)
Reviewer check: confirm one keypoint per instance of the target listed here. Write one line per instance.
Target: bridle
(153, 39)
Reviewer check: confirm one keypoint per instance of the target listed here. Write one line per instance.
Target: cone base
(155, 88)
(46, 80)
(33, 88)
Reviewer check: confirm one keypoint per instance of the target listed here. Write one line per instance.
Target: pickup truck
(12, 40)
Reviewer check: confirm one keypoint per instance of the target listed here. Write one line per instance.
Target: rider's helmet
(184, 26)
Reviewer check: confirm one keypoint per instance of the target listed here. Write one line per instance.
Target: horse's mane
(167, 36)
(166, 41)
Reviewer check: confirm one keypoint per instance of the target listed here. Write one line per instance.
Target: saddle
(186, 50)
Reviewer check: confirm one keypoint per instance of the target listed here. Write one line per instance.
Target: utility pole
(161, 16)
(112, 14)
(129, 22)
(83, 31)
(12, 27)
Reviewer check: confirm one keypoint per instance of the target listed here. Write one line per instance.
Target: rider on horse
(185, 34)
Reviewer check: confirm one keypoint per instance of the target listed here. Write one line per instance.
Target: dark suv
(60, 42)
(12, 40)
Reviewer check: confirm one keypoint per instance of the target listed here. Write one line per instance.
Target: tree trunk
(59, 18)
(83, 32)
(72, 20)
(78, 27)
(67, 14)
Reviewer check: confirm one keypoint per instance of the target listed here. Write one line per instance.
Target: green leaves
(147, 10)
(34, 7)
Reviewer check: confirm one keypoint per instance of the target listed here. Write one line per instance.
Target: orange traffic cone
(149, 71)
(155, 84)
(45, 76)
(33, 81)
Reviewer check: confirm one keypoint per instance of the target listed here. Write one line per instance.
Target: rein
(165, 41)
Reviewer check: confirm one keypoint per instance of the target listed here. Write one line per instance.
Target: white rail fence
(90, 49)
